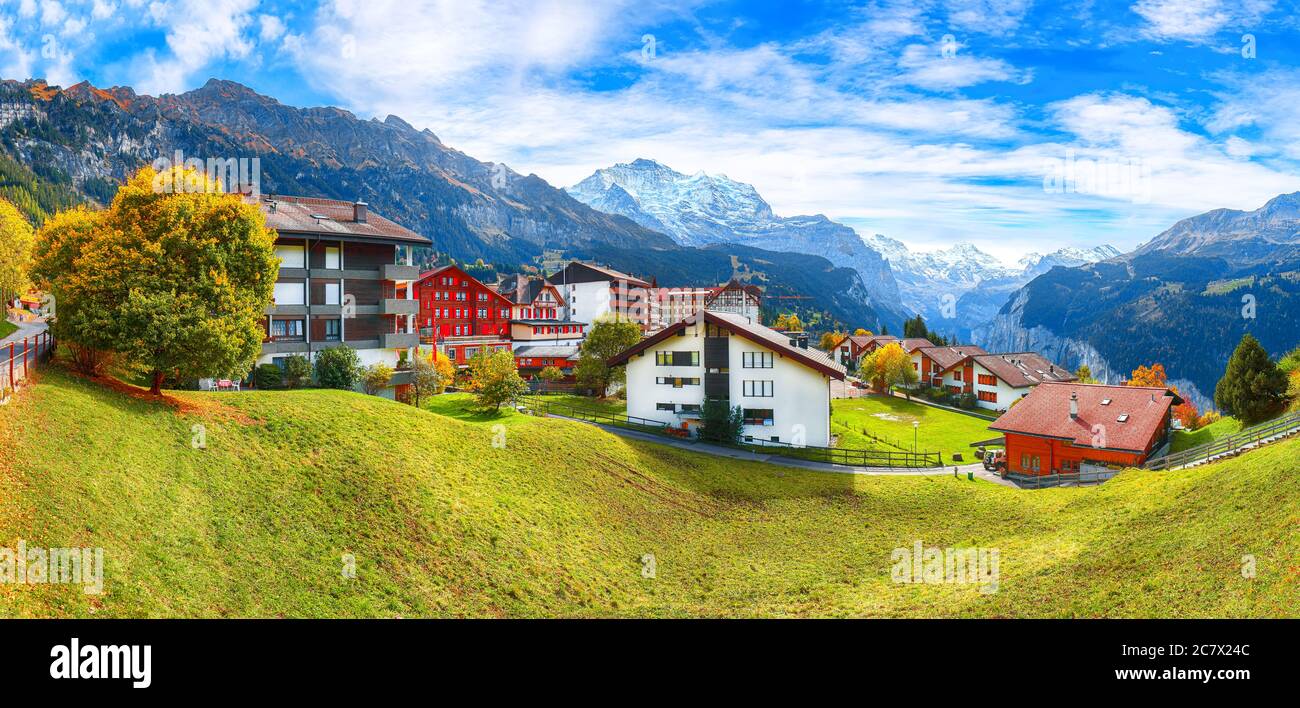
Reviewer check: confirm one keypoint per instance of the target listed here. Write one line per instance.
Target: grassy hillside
(556, 520)
(7, 328)
(855, 420)
(1223, 427)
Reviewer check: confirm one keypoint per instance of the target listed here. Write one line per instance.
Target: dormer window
(1105, 401)
(1123, 418)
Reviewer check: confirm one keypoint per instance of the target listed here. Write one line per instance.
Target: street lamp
(915, 425)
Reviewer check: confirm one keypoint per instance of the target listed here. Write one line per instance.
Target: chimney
(1074, 404)
(359, 212)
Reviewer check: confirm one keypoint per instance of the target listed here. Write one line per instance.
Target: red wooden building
(460, 315)
(1059, 426)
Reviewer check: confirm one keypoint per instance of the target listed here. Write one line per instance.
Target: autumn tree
(888, 366)
(376, 377)
(859, 332)
(550, 375)
(1187, 414)
(16, 241)
(788, 322)
(174, 282)
(494, 379)
(446, 370)
(1253, 388)
(1153, 375)
(1083, 374)
(606, 338)
(830, 339)
(426, 380)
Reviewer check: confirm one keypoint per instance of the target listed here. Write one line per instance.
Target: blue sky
(930, 122)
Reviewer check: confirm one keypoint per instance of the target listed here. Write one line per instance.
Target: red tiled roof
(758, 334)
(1020, 369)
(911, 344)
(1045, 412)
(299, 215)
(948, 357)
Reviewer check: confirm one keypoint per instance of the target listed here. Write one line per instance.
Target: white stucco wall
(1006, 394)
(800, 400)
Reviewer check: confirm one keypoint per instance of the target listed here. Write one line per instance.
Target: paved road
(25, 329)
(719, 451)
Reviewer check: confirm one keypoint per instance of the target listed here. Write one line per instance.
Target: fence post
(11, 364)
(25, 348)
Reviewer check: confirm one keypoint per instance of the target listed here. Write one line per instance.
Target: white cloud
(102, 9)
(52, 13)
(272, 28)
(928, 67)
(198, 33)
(1198, 20)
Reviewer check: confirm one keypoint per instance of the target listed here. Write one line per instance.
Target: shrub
(720, 422)
(297, 371)
(966, 401)
(376, 378)
(338, 367)
(268, 376)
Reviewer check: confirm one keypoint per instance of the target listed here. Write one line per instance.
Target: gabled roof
(741, 326)
(443, 270)
(579, 272)
(948, 357)
(524, 289)
(1021, 369)
(332, 218)
(1045, 412)
(911, 344)
(858, 340)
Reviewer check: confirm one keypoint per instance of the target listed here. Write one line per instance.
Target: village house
(851, 349)
(346, 278)
(997, 380)
(939, 367)
(782, 387)
(669, 305)
(592, 292)
(1061, 427)
(541, 334)
(460, 316)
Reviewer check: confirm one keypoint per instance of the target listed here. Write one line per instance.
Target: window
(663, 358)
(757, 389)
(290, 294)
(690, 408)
(956, 375)
(758, 416)
(291, 256)
(333, 258)
(666, 407)
(756, 360)
(677, 381)
(987, 396)
(954, 389)
(1029, 463)
(482, 313)
(460, 297)
(333, 330)
(286, 329)
(331, 293)
(988, 380)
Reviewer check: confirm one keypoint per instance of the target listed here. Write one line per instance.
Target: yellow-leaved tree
(16, 240)
(888, 366)
(175, 282)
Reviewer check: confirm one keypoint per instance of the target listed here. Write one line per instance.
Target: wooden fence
(832, 455)
(1263, 433)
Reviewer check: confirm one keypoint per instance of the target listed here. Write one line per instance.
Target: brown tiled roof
(523, 289)
(337, 218)
(1020, 369)
(948, 357)
(1045, 412)
(741, 326)
(911, 344)
(609, 273)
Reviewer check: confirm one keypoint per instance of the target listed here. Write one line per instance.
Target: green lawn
(7, 328)
(1183, 439)
(891, 418)
(449, 516)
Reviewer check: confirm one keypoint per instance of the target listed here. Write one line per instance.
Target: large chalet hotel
(346, 278)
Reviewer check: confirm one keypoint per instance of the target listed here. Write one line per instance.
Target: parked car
(996, 461)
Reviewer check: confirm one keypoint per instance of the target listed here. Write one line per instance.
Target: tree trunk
(157, 383)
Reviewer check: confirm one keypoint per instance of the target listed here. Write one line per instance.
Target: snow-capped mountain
(703, 209)
(961, 287)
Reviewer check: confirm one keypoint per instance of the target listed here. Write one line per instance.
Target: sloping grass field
(1221, 428)
(889, 419)
(453, 516)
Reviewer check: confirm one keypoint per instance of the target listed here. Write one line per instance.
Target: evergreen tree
(1253, 388)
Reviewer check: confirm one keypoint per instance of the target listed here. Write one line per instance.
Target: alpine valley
(1183, 299)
